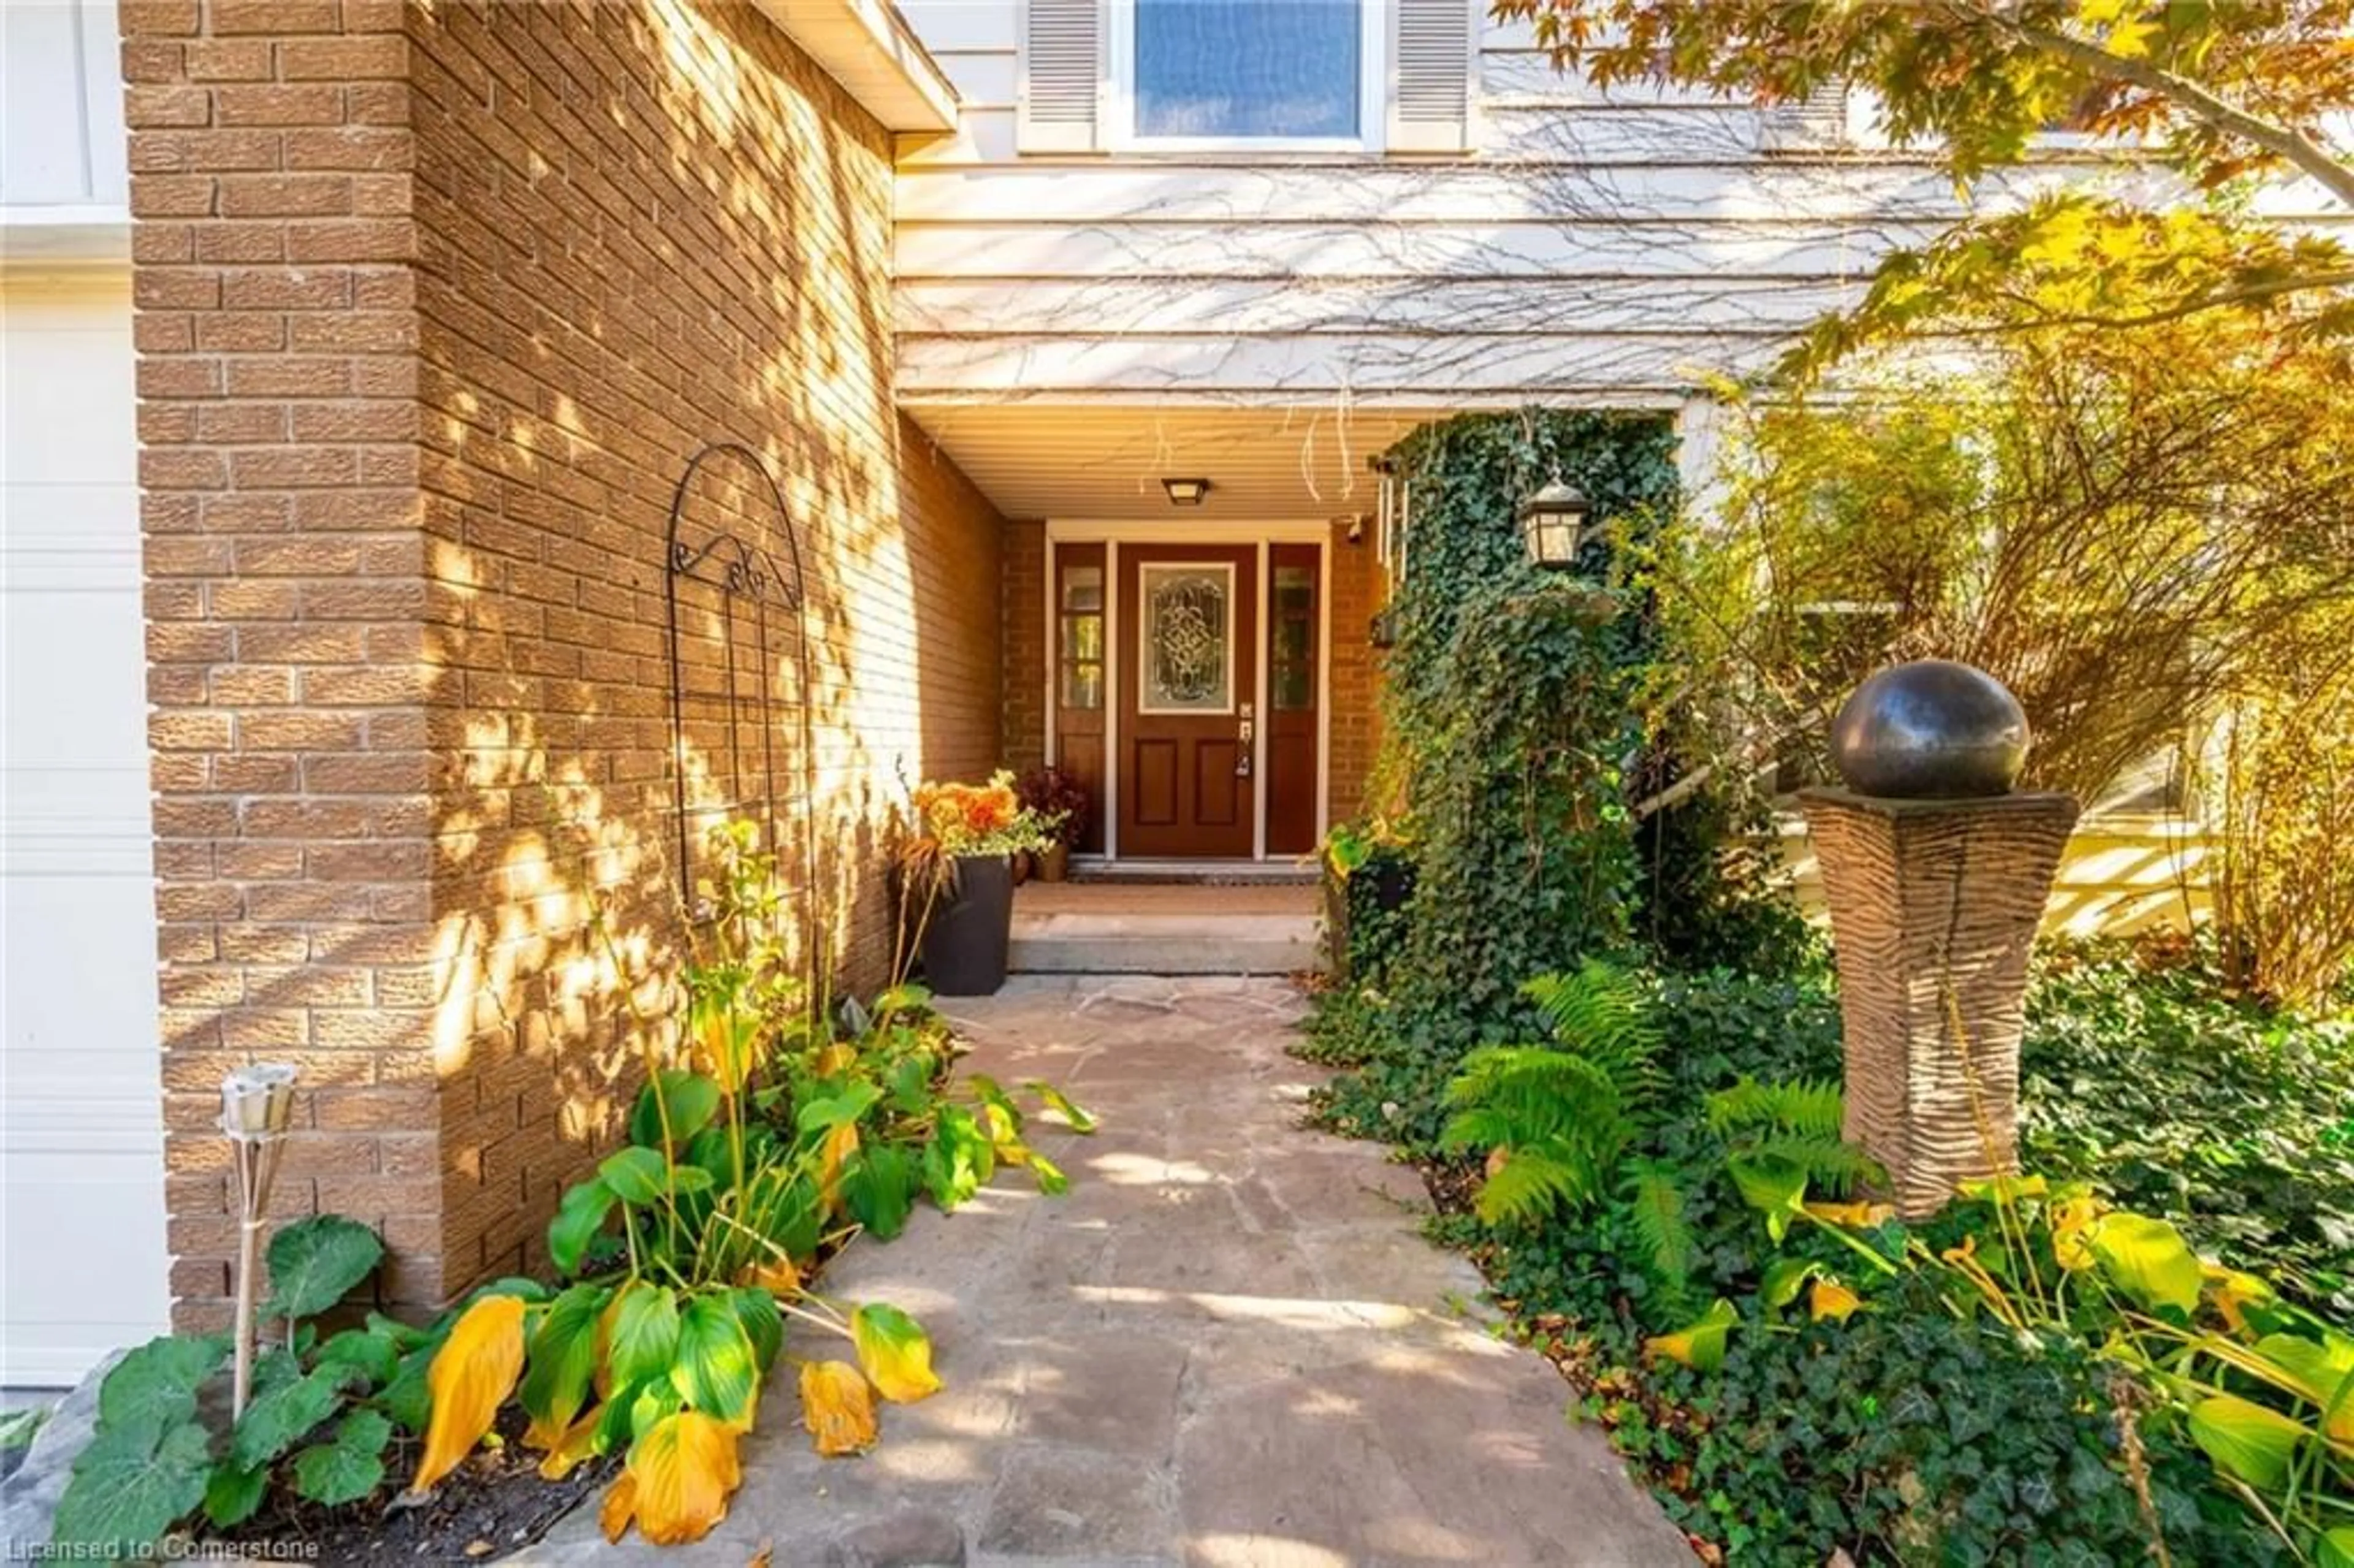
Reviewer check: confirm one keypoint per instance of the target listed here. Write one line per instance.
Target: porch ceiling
(1106, 465)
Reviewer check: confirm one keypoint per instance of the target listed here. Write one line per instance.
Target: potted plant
(958, 880)
(1061, 804)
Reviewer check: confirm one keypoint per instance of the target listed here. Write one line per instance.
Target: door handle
(1243, 732)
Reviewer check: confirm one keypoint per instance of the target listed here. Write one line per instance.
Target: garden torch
(257, 1106)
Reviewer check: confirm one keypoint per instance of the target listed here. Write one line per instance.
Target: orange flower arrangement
(980, 819)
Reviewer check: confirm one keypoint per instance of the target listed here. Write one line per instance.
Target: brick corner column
(272, 282)
(1934, 906)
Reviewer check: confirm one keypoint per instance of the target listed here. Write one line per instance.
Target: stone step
(1130, 943)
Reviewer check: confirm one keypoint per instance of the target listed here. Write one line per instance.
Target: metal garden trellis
(753, 606)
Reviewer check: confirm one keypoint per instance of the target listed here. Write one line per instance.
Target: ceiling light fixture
(1186, 491)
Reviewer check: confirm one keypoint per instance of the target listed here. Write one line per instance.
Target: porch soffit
(1106, 463)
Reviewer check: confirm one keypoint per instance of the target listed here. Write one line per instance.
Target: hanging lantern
(1553, 525)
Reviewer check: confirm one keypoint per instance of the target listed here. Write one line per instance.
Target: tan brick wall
(1024, 615)
(434, 304)
(1357, 593)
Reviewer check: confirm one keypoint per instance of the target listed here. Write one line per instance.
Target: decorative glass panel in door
(1185, 643)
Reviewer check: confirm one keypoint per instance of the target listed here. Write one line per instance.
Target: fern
(1815, 1108)
(1565, 1114)
(1656, 1209)
(1534, 1182)
(1829, 1165)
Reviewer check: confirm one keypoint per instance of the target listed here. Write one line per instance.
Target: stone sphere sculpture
(1930, 730)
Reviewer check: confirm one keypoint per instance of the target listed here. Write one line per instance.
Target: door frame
(1113, 536)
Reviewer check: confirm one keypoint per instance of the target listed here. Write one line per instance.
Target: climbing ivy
(1517, 717)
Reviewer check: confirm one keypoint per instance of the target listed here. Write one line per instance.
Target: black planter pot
(965, 940)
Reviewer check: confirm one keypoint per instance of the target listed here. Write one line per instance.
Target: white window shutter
(1813, 123)
(1432, 61)
(1061, 96)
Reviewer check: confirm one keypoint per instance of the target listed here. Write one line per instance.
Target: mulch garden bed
(493, 1504)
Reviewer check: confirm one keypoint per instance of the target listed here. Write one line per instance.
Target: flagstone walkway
(1227, 1346)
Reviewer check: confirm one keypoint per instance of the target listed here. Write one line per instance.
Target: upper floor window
(1213, 72)
(1249, 70)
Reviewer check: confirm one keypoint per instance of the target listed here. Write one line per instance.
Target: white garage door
(83, 1261)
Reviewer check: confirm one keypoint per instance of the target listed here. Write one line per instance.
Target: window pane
(1083, 637)
(1295, 688)
(1083, 587)
(1083, 685)
(1247, 67)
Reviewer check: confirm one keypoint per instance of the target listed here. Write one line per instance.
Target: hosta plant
(323, 1408)
(766, 1135)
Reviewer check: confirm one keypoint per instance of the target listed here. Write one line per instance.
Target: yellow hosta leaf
(1855, 1216)
(775, 1274)
(470, 1377)
(837, 1407)
(1829, 1299)
(2234, 1292)
(897, 1356)
(576, 1443)
(2072, 1223)
(1701, 1346)
(840, 1144)
(619, 1506)
(838, 1057)
(686, 1467)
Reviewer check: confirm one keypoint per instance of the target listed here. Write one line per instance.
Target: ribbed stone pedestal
(1924, 895)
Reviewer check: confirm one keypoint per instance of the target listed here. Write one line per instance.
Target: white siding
(1613, 246)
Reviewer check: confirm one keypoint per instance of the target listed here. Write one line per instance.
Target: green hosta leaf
(691, 1100)
(763, 1324)
(685, 1179)
(563, 1357)
(156, 1386)
(274, 1421)
(710, 1151)
(372, 1355)
(645, 1333)
(958, 1160)
(633, 1411)
(1784, 1279)
(911, 1082)
(2149, 1261)
(1774, 1188)
(348, 1468)
(404, 1337)
(409, 1398)
(880, 1188)
(580, 1215)
(1062, 1104)
(231, 1495)
(2335, 1548)
(131, 1484)
(716, 1370)
(315, 1263)
(2246, 1441)
(1048, 1175)
(636, 1175)
(829, 1111)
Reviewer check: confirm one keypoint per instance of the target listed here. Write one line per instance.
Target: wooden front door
(1188, 708)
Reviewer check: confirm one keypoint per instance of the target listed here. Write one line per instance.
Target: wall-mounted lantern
(1186, 491)
(1553, 525)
